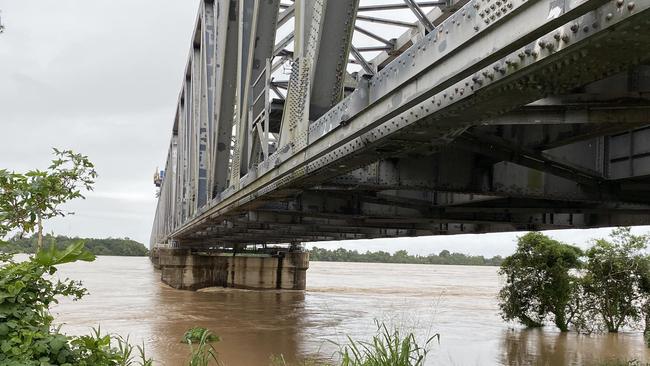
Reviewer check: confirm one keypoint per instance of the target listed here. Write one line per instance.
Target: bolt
(619, 3)
(565, 38)
(556, 36)
(542, 43)
(609, 16)
(574, 28)
(630, 5)
(522, 55)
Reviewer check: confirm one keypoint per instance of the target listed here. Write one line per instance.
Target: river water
(457, 302)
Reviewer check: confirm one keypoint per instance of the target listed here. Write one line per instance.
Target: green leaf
(74, 252)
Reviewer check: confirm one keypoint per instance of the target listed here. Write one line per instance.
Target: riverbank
(445, 257)
(107, 246)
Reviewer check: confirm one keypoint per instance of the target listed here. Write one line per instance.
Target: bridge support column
(187, 270)
(154, 256)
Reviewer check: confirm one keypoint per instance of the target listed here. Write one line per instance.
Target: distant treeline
(401, 256)
(110, 246)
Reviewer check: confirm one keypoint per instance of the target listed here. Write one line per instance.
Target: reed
(387, 348)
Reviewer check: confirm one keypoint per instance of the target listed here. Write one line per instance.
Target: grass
(388, 347)
(202, 352)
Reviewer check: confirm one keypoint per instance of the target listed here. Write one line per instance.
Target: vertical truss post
(257, 44)
(227, 40)
(239, 161)
(207, 102)
(196, 129)
(330, 64)
(295, 119)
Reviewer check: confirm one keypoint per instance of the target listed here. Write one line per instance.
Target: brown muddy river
(458, 302)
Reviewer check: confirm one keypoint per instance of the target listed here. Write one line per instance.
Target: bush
(27, 336)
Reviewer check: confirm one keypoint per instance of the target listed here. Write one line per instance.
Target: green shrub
(27, 336)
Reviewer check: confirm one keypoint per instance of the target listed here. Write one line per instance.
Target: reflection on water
(459, 302)
(538, 347)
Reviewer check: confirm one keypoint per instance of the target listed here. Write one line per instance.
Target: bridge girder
(524, 106)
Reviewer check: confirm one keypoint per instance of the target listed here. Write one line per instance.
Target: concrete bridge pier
(189, 270)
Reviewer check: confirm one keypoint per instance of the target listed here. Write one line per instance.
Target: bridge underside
(535, 118)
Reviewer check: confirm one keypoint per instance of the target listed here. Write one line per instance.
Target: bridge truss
(343, 119)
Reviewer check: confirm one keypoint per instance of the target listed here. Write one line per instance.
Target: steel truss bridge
(338, 119)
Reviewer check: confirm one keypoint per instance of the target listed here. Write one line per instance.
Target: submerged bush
(603, 289)
(539, 281)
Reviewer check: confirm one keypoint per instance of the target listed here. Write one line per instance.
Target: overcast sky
(102, 78)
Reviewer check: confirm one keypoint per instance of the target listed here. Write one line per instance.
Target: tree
(644, 288)
(14, 209)
(539, 282)
(616, 278)
(28, 288)
(26, 200)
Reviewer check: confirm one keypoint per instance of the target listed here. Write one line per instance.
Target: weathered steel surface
(488, 115)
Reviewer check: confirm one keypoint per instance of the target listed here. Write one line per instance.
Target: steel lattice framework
(314, 120)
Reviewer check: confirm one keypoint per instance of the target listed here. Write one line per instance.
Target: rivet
(630, 5)
(574, 28)
(609, 16)
(619, 3)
